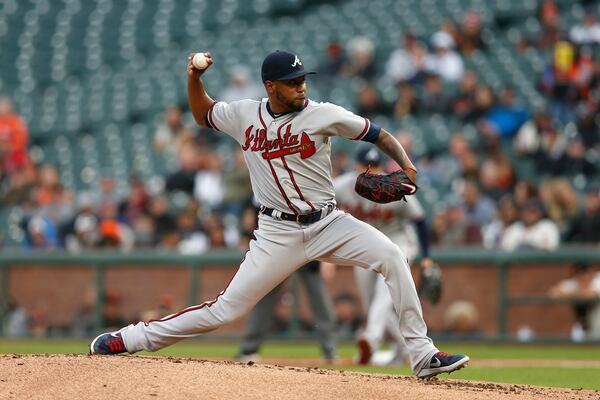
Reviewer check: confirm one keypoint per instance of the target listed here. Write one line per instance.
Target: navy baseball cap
(369, 156)
(282, 65)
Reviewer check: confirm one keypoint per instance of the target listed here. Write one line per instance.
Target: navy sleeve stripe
(372, 134)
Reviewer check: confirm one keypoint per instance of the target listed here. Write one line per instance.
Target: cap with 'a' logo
(282, 65)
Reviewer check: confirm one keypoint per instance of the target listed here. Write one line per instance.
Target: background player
(286, 141)
(398, 221)
(261, 317)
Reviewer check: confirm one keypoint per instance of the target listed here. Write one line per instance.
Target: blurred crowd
(486, 198)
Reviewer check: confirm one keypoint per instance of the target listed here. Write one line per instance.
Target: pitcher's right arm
(199, 101)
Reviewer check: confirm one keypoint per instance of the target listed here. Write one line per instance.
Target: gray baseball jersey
(290, 184)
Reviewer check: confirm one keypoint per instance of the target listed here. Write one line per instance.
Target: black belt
(305, 219)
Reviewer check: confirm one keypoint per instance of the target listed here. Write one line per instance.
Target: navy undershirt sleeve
(372, 134)
(423, 237)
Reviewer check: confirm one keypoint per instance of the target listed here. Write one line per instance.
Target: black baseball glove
(384, 188)
(430, 286)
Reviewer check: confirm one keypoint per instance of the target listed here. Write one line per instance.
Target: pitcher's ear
(269, 86)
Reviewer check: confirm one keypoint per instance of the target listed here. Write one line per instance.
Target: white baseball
(199, 61)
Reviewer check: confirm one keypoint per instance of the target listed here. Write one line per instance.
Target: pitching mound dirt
(131, 377)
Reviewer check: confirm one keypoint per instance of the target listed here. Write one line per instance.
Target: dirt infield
(127, 377)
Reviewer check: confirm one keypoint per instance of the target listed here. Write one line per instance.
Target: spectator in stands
(143, 228)
(172, 132)
(588, 128)
(484, 100)
(51, 198)
(551, 153)
(369, 102)
(331, 67)
(450, 228)
(470, 34)
(17, 186)
(583, 287)
(193, 240)
(558, 82)
(532, 231)
(463, 103)
(41, 234)
(579, 159)
(525, 191)
(14, 138)
(496, 174)
(135, 204)
(189, 163)
(549, 17)
(528, 138)
(560, 200)
(241, 86)
(113, 233)
(587, 32)
(334, 60)
(406, 102)
(585, 226)
(478, 209)
(159, 211)
(505, 117)
(507, 213)
(236, 183)
(208, 182)
(219, 236)
(407, 63)
(459, 162)
(433, 98)
(107, 192)
(87, 205)
(361, 61)
(85, 235)
(445, 62)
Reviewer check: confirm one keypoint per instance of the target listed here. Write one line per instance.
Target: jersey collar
(277, 115)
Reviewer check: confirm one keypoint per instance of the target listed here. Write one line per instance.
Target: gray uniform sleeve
(228, 118)
(337, 121)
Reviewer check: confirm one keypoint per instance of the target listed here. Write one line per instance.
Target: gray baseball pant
(280, 248)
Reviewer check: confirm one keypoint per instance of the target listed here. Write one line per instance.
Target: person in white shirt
(588, 32)
(532, 231)
(584, 288)
(446, 62)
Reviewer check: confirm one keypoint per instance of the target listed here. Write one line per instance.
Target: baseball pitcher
(286, 140)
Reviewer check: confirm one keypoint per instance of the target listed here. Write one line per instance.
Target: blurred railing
(501, 261)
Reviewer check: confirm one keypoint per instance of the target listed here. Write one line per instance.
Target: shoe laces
(443, 354)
